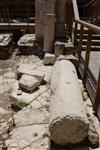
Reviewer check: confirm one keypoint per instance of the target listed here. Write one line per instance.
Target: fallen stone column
(68, 121)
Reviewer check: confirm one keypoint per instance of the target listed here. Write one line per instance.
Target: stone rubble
(94, 127)
(29, 83)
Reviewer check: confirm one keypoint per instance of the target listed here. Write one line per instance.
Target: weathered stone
(3, 112)
(26, 97)
(49, 59)
(31, 116)
(72, 58)
(93, 136)
(26, 44)
(29, 83)
(68, 120)
(1, 38)
(27, 40)
(49, 28)
(94, 127)
(60, 30)
(69, 49)
(39, 14)
(34, 114)
(59, 48)
(35, 137)
(42, 7)
(5, 45)
(30, 69)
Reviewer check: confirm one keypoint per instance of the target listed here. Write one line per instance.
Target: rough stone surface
(5, 45)
(30, 69)
(94, 126)
(69, 49)
(68, 120)
(35, 113)
(59, 48)
(34, 137)
(3, 112)
(26, 97)
(5, 39)
(72, 58)
(29, 83)
(27, 40)
(49, 59)
(49, 28)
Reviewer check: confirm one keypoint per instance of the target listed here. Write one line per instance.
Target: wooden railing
(91, 11)
(92, 87)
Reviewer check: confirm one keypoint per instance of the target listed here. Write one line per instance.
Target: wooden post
(97, 97)
(81, 41)
(87, 57)
(75, 34)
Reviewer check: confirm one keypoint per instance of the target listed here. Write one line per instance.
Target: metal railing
(93, 89)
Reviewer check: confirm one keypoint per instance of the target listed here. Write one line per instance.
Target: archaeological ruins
(50, 75)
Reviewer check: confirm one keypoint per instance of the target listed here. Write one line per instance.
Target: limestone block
(69, 48)
(59, 48)
(30, 69)
(26, 97)
(49, 59)
(29, 83)
(30, 115)
(34, 137)
(68, 121)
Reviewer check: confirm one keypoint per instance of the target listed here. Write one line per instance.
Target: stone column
(39, 17)
(68, 120)
(49, 24)
(60, 15)
(49, 29)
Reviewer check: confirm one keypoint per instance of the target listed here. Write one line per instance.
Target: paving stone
(26, 97)
(35, 136)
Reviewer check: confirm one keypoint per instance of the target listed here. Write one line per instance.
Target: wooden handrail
(75, 8)
(90, 26)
